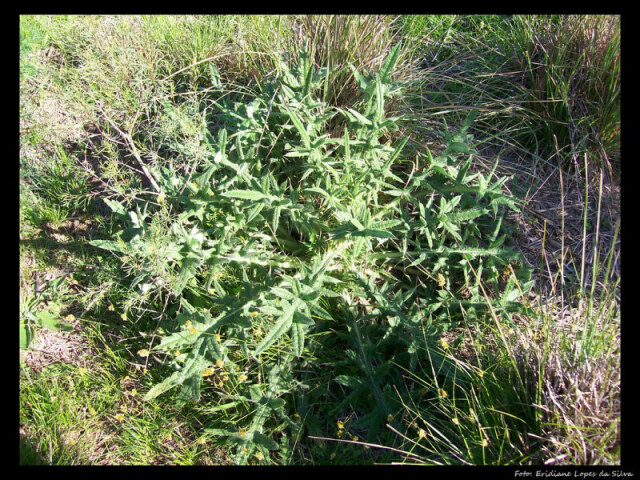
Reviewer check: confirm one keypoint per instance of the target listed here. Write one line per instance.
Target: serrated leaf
(245, 194)
(265, 441)
(281, 327)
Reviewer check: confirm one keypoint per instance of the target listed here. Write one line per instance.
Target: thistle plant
(296, 218)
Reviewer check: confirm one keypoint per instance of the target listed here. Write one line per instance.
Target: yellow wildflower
(218, 337)
(259, 456)
(340, 424)
(124, 317)
(201, 441)
(242, 377)
(421, 433)
(296, 417)
(219, 363)
(443, 343)
(124, 409)
(192, 330)
(254, 314)
(187, 323)
(92, 411)
(442, 393)
(111, 308)
(242, 431)
(134, 392)
(144, 352)
(120, 417)
(354, 439)
(207, 372)
(340, 433)
(484, 443)
(441, 280)
(191, 194)
(456, 421)
(70, 317)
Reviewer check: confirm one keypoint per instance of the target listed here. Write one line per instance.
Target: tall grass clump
(572, 74)
(341, 43)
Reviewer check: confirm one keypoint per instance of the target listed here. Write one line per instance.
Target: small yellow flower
(187, 323)
(254, 314)
(134, 392)
(455, 421)
(340, 424)
(354, 439)
(242, 432)
(259, 456)
(124, 409)
(484, 443)
(124, 317)
(194, 184)
(389, 418)
(244, 450)
(92, 411)
(480, 373)
(70, 317)
(161, 198)
(340, 433)
(296, 417)
(444, 344)
(441, 280)
(442, 393)
(177, 353)
(207, 372)
(144, 352)
(201, 441)
(219, 363)
(192, 330)
(211, 194)
(111, 308)
(421, 433)
(191, 194)
(218, 337)
(242, 378)
(120, 417)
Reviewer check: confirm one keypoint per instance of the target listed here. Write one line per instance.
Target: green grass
(348, 332)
